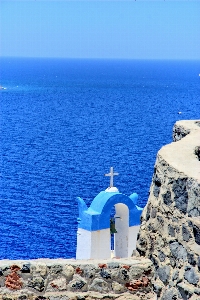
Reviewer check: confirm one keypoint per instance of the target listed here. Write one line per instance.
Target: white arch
(126, 237)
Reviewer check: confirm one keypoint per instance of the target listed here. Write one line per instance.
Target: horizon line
(95, 58)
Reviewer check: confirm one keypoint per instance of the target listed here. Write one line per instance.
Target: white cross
(111, 174)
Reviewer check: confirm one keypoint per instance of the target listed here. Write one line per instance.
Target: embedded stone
(171, 231)
(161, 256)
(22, 297)
(167, 198)
(198, 263)
(113, 265)
(191, 259)
(153, 212)
(41, 268)
(78, 283)
(160, 220)
(179, 132)
(55, 269)
(98, 285)
(186, 233)
(59, 284)
(13, 281)
(197, 152)
(117, 287)
(180, 194)
(191, 276)
(37, 283)
(172, 261)
(68, 271)
(185, 290)
(196, 232)
(178, 251)
(175, 275)
(170, 294)
(157, 185)
(89, 271)
(14, 268)
(157, 289)
(163, 273)
(25, 268)
(105, 274)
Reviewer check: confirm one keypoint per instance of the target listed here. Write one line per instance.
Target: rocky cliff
(170, 224)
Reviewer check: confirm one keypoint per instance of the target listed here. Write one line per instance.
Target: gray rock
(175, 275)
(185, 291)
(105, 274)
(89, 271)
(157, 289)
(180, 194)
(179, 132)
(186, 233)
(196, 232)
(194, 212)
(163, 273)
(157, 185)
(170, 294)
(197, 291)
(171, 230)
(191, 276)
(25, 268)
(37, 283)
(55, 269)
(178, 251)
(161, 256)
(198, 263)
(153, 212)
(172, 261)
(167, 199)
(113, 265)
(78, 283)
(98, 285)
(191, 259)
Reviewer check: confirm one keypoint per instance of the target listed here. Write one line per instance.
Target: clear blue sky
(101, 29)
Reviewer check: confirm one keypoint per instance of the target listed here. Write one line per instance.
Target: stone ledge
(62, 279)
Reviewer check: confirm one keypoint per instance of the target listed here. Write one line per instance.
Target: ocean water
(64, 123)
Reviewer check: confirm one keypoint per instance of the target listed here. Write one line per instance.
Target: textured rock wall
(63, 279)
(170, 223)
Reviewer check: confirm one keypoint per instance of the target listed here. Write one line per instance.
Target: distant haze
(101, 29)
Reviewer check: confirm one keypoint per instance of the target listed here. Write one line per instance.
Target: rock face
(170, 223)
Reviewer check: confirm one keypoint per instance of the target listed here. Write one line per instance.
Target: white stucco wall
(93, 244)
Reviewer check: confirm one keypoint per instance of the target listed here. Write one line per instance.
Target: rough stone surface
(65, 279)
(170, 223)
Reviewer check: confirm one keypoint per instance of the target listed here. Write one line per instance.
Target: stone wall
(170, 223)
(64, 279)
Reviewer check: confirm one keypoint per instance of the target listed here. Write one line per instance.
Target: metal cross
(111, 174)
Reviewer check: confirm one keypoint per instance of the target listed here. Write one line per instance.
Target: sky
(100, 29)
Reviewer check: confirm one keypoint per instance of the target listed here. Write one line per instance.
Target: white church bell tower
(94, 224)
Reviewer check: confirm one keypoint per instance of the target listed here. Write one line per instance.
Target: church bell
(112, 226)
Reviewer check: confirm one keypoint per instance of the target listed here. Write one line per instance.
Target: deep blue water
(64, 123)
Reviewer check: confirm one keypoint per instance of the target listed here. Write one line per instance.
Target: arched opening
(119, 230)
(122, 228)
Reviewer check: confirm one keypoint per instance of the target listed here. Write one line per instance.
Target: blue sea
(64, 123)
